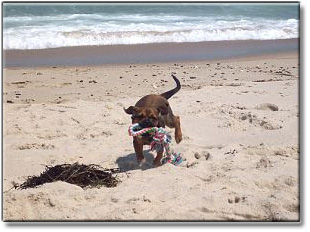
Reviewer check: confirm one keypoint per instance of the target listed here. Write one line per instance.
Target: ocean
(52, 25)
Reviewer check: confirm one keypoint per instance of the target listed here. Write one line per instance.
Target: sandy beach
(240, 145)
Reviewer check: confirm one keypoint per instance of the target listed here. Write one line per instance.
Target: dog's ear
(162, 110)
(131, 109)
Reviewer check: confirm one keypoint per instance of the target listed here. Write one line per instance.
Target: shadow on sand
(129, 162)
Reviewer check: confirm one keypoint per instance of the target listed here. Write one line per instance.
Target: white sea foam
(40, 32)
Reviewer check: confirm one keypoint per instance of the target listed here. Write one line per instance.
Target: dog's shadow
(129, 162)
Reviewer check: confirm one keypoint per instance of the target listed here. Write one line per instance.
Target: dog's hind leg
(177, 131)
(157, 160)
(174, 122)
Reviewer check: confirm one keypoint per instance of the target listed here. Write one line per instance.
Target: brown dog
(154, 111)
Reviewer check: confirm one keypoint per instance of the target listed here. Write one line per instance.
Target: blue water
(38, 26)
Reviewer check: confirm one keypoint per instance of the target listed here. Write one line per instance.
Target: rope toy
(160, 142)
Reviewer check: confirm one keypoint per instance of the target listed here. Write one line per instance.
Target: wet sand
(146, 53)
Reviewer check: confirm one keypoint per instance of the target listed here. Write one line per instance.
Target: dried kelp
(79, 174)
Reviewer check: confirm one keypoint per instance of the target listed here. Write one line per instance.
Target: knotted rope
(160, 141)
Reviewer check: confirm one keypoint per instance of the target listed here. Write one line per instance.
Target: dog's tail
(170, 93)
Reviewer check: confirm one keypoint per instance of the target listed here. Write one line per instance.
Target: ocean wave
(82, 30)
(71, 18)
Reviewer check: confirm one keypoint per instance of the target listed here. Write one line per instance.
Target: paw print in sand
(236, 199)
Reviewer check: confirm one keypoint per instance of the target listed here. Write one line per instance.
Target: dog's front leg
(138, 145)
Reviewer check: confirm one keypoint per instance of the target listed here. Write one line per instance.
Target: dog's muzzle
(146, 123)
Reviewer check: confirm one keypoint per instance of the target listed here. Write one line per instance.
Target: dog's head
(146, 117)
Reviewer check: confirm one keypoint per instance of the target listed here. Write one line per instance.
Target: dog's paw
(141, 162)
(156, 163)
(178, 137)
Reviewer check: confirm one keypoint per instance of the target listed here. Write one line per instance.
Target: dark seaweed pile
(79, 174)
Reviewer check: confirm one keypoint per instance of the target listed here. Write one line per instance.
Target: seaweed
(79, 174)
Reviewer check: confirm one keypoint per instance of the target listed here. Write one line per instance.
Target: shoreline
(147, 53)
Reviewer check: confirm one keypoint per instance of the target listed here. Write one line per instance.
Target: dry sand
(241, 114)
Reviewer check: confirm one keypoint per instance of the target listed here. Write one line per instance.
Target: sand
(240, 141)
(146, 53)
